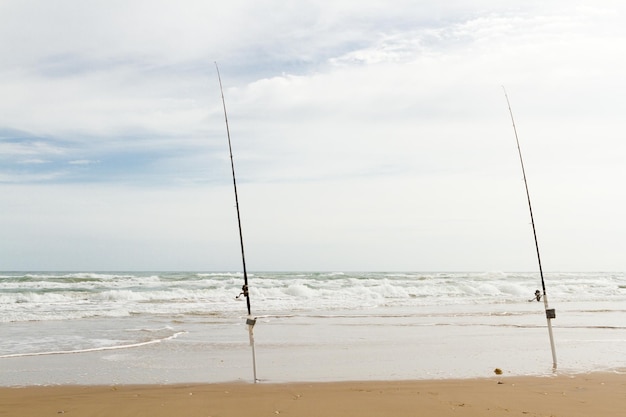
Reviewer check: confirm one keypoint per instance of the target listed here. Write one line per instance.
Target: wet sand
(584, 395)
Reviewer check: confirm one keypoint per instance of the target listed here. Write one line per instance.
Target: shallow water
(118, 328)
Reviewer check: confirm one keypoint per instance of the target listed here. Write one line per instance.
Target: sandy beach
(171, 355)
(599, 394)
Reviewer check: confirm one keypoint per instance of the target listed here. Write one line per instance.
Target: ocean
(189, 327)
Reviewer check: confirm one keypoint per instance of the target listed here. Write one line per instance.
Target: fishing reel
(244, 291)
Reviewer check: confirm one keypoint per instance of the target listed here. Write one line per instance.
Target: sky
(367, 135)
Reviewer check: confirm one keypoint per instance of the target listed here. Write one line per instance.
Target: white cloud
(366, 135)
(29, 148)
(34, 161)
(82, 162)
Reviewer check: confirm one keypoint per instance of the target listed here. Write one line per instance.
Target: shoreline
(558, 395)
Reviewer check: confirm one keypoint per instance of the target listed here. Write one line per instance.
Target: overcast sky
(367, 135)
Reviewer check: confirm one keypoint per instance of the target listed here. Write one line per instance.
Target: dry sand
(602, 394)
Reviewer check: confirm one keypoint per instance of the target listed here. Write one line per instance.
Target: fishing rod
(550, 312)
(250, 321)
